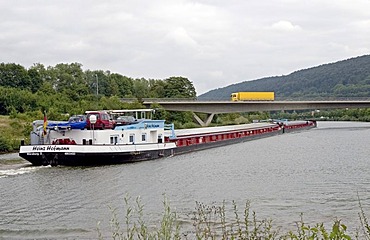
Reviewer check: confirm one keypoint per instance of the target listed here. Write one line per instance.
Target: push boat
(143, 140)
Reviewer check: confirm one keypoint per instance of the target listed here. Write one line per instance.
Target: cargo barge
(140, 141)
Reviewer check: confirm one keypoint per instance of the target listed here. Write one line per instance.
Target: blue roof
(143, 124)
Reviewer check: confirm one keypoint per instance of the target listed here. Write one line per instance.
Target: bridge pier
(201, 122)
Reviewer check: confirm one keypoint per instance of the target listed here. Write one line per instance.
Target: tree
(16, 99)
(38, 76)
(157, 88)
(121, 86)
(179, 87)
(69, 80)
(159, 111)
(141, 88)
(35, 80)
(14, 75)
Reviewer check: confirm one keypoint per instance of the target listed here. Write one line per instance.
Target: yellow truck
(252, 96)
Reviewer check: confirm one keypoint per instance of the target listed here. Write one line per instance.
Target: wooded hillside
(348, 78)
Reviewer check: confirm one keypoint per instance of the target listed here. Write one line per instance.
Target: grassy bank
(12, 130)
(223, 222)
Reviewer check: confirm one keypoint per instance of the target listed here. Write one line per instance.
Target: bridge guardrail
(276, 99)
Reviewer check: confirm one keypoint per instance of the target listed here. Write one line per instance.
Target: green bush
(190, 125)
(5, 145)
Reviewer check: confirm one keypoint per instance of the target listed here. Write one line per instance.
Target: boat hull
(303, 125)
(214, 144)
(92, 155)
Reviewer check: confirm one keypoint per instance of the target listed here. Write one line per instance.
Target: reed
(135, 226)
(213, 222)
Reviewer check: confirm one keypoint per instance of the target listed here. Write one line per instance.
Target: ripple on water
(23, 169)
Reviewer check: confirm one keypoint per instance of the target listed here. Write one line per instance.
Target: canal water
(319, 172)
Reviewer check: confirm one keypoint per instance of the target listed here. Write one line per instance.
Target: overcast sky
(212, 43)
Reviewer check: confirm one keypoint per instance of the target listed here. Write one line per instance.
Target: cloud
(181, 38)
(285, 26)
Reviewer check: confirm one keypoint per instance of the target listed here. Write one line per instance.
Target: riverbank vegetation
(223, 222)
(12, 130)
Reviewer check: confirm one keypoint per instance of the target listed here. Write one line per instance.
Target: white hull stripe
(96, 148)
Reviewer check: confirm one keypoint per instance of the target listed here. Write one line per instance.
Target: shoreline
(9, 156)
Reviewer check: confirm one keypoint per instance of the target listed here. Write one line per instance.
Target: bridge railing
(159, 99)
(276, 99)
(322, 99)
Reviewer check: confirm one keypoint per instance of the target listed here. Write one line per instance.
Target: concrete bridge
(216, 107)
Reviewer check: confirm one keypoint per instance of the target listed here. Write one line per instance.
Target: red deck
(218, 134)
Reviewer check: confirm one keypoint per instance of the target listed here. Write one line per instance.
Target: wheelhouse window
(131, 138)
(114, 139)
(143, 137)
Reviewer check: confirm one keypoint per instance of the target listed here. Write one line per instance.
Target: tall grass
(135, 226)
(12, 130)
(212, 222)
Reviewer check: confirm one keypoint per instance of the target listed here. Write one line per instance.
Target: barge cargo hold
(188, 140)
(144, 140)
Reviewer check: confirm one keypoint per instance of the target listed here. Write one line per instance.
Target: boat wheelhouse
(128, 143)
